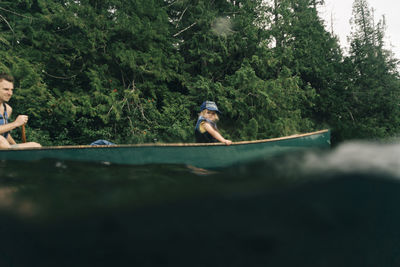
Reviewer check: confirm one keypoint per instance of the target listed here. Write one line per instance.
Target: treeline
(137, 71)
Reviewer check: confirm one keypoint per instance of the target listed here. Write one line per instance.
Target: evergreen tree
(303, 45)
(137, 71)
(225, 46)
(108, 66)
(372, 97)
(295, 48)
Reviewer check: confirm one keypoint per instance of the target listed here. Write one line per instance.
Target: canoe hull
(209, 156)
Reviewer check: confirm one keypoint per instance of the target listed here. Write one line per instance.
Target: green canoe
(208, 156)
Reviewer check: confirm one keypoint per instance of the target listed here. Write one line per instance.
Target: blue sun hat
(210, 105)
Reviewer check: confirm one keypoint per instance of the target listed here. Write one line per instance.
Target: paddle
(23, 134)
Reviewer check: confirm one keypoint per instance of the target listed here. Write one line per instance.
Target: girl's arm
(216, 134)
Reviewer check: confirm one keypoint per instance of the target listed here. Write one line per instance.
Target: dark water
(332, 208)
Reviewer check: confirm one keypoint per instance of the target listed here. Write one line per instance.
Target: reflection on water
(6, 197)
(358, 156)
(335, 208)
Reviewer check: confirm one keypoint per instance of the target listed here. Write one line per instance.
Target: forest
(137, 71)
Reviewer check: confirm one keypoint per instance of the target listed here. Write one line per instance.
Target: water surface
(325, 208)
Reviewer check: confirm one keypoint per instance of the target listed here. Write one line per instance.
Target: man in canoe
(206, 130)
(6, 91)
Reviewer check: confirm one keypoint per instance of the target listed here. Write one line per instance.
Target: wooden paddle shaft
(23, 134)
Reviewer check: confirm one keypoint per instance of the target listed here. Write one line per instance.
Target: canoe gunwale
(171, 144)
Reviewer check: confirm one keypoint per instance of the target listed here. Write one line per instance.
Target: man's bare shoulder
(9, 108)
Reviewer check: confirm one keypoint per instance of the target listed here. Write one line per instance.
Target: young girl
(206, 128)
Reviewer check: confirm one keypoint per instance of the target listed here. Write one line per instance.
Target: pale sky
(341, 12)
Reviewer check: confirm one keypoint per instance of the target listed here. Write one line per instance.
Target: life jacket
(4, 120)
(204, 137)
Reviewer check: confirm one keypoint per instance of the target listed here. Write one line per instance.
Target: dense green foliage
(137, 71)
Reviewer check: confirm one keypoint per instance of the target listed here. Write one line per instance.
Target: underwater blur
(315, 208)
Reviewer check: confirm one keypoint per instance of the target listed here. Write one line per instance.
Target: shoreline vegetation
(136, 72)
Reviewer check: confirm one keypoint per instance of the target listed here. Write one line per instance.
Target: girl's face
(211, 115)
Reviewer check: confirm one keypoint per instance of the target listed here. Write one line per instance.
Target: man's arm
(11, 140)
(19, 121)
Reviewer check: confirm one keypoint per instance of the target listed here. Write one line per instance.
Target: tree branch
(3, 18)
(180, 18)
(187, 28)
(58, 77)
(15, 13)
